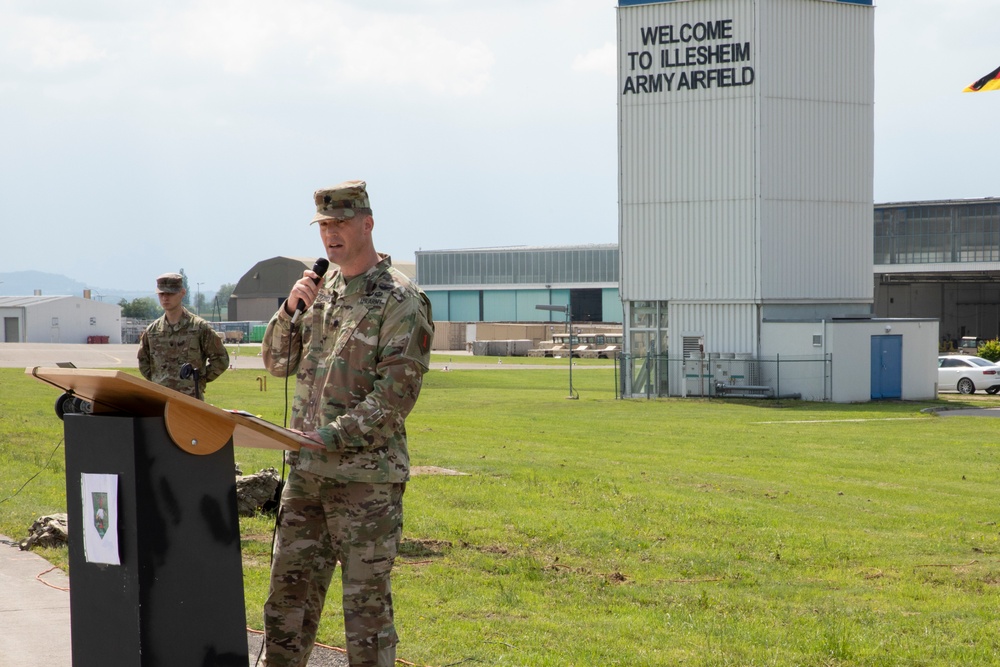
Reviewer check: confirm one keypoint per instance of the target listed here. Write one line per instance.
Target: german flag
(989, 82)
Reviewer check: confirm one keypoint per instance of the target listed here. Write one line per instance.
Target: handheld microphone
(187, 371)
(319, 268)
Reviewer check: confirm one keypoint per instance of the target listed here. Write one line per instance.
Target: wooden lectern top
(194, 426)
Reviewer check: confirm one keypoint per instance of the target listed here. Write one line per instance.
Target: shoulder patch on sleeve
(419, 345)
(424, 338)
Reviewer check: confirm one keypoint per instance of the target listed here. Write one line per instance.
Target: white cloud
(230, 35)
(406, 52)
(602, 60)
(42, 43)
(330, 42)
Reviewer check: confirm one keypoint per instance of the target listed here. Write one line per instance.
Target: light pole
(197, 299)
(569, 317)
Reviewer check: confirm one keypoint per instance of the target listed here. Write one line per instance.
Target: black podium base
(176, 599)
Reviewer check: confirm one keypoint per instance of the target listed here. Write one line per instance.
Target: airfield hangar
(261, 290)
(932, 259)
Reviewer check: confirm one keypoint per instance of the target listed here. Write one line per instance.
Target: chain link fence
(725, 375)
(232, 332)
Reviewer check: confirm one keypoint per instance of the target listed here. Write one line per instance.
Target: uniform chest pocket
(358, 338)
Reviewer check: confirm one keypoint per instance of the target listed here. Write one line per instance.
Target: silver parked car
(965, 374)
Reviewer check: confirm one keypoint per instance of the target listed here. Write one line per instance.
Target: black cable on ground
(281, 477)
(36, 474)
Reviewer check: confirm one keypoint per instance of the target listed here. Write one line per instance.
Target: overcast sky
(145, 137)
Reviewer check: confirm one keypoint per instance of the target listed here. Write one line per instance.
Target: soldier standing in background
(177, 338)
(360, 350)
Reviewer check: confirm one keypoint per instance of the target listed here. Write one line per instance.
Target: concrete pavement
(28, 355)
(34, 610)
(969, 412)
(35, 618)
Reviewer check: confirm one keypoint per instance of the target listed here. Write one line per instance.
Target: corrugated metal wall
(687, 164)
(463, 306)
(439, 305)
(816, 87)
(690, 250)
(499, 305)
(760, 191)
(726, 327)
(812, 252)
(512, 305)
(611, 305)
(526, 302)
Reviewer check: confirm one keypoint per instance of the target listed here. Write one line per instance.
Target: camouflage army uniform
(360, 353)
(164, 348)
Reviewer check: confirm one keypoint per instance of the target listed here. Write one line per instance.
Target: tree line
(148, 308)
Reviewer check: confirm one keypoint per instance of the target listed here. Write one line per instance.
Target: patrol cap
(169, 283)
(341, 202)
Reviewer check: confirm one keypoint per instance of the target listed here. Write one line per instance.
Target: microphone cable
(281, 477)
(44, 466)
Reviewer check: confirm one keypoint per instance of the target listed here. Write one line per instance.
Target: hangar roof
(21, 301)
(938, 202)
(525, 248)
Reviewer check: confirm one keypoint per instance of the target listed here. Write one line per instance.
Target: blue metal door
(887, 367)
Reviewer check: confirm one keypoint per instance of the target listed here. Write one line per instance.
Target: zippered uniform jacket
(165, 347)
(359, 354)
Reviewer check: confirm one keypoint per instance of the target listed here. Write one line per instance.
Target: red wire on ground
(39, 578)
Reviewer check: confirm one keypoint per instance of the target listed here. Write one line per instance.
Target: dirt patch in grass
(434, 470)
(416, 548)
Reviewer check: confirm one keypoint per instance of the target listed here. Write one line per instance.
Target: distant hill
(25, 283)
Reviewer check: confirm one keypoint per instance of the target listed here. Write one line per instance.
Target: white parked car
(965, 374)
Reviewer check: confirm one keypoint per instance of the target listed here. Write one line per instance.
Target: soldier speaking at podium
(180, 350)
(360, 349)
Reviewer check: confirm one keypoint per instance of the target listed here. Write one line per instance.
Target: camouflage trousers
(322, 522)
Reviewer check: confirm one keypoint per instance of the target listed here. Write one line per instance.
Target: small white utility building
(59, 319)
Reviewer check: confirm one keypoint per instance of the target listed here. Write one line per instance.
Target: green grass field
(665, 532)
